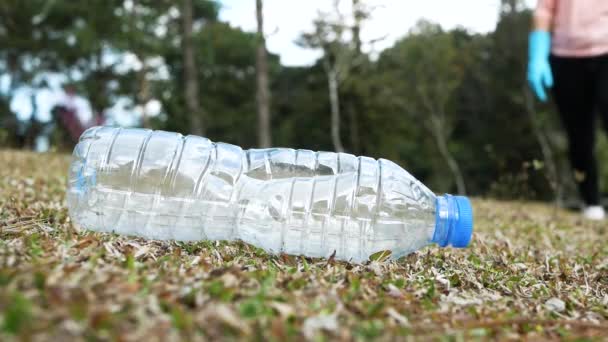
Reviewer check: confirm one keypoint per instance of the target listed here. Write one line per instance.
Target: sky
(285, 20)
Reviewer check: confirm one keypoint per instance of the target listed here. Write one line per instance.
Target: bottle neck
(446, 218)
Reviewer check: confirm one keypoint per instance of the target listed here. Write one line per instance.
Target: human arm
(540, 76)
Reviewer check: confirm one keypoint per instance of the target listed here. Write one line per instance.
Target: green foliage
(17, 314)
(467, 89)
(420, 75)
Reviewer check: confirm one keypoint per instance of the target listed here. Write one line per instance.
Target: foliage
(449, 106)
(423, 72)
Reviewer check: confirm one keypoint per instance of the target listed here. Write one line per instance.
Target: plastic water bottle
(163, 185)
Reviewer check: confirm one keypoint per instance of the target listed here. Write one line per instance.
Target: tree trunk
(352, 99)
(332, 82)
(354, 127)
(442, 146)
(358, 16)
(263, 92)
(436, 127)
(144, 93)
(552, 174)
(190, 72)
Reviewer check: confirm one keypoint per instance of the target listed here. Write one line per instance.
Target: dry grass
(531, 271)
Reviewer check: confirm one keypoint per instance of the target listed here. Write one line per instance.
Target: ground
(531, 271)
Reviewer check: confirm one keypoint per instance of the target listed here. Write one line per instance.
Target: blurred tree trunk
(196, 114)
(143, 96)
(95, 84)
(442, 145)
(552, 173)
(358, 16)
(143, 92)
(355, 141)
(263, 92)
(436, 125)
(334, 101)
(339, 58)
(430, 75)
(353, 99)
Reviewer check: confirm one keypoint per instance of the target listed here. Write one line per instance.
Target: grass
(532, 271)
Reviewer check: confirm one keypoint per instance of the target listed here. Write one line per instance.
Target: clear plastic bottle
(163, 185)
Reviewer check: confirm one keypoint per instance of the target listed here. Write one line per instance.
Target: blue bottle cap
(462, 232)
(454, 221)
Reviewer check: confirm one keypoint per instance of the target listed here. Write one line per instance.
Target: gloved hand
(539, 69)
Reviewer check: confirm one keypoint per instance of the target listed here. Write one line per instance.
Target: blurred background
(437, 86)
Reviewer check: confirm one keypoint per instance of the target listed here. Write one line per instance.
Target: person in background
(73, 115)
(568, 51)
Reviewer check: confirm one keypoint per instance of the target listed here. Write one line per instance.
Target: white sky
(285, 20)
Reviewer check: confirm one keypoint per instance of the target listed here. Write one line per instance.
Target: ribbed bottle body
(164, 185)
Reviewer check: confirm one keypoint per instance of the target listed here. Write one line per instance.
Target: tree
(196, 113)
(226, 73)
(443, 104)
(143, 20)
(328, 35)
(353, 101)
(339, 38)
(71, 38)
(513, 108)
(510, 39)
(425, 72)
(263, 92)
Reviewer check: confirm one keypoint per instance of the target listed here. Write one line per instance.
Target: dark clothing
(581, 92)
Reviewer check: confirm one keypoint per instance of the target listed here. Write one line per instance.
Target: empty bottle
(163, 185)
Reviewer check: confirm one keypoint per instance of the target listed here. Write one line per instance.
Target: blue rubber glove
(539, 69)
